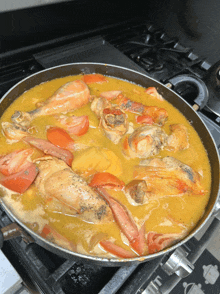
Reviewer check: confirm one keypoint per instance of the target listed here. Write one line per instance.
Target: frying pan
(145, 81)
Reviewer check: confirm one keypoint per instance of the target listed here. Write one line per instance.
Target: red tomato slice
(78, 125)
(15, 161)
(139, 244)
(117, 250)
(94, 78)
(52, 235)
(49, 148)
(60, 138)
(156, 242)
(106, 180)
(144, 119)
(121, 215)
(20, 181)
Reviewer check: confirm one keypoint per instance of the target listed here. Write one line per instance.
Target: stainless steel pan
(145, 81)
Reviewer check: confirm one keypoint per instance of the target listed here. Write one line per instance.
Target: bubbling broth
(139, 177)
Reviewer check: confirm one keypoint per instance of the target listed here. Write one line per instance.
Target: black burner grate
(154, 51)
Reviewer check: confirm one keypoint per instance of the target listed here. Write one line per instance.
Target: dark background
(195, 22)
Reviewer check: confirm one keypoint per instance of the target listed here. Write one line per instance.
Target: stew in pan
(102, 166)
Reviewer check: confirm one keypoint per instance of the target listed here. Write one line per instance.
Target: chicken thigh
(144, 142)
(57, 180)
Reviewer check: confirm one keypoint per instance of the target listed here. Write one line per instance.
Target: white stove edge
(10, 281)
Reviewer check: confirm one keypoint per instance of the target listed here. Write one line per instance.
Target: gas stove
(144, 48)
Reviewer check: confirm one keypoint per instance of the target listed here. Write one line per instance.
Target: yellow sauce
(165, 215)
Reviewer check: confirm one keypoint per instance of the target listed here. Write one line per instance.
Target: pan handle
(12, 231)
(203, 93)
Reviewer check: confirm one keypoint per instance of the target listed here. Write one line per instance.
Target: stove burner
(202, 91)
(162, 57)
(155, 46)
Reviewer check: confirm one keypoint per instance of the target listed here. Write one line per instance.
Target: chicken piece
(178, 140)
(144, 119)
(168, 177)
(55, 206)
(114, 123)
(144, 142)
(57, 180)
(159, 115)
(137, 192)
(98, 104)
(69, 97)
(14, 132)
(112, 119)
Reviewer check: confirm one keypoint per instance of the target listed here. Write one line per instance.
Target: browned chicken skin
(57, 180)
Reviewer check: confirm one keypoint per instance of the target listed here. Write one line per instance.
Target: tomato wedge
(156, 242)
(21, 181)
(51, 149)
(15, 162)
(106, 180)
(75, 125)
(52, 235)
(116, 250)
(60, 138)
(110, 95)
(94, 78)
(79, 125)
(144, 119)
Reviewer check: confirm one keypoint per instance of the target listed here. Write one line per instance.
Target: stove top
(143, 48)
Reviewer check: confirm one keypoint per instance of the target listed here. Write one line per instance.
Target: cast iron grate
(162, 57)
